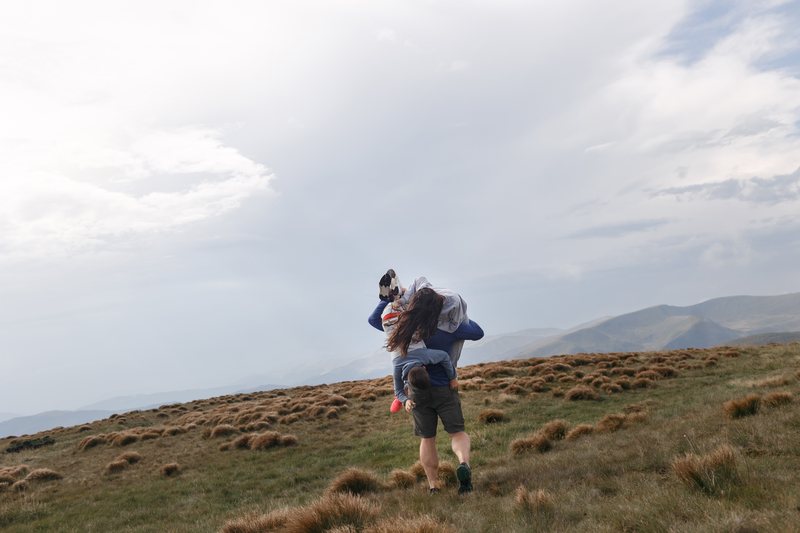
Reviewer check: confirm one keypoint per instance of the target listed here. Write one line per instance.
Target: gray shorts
(433, 404)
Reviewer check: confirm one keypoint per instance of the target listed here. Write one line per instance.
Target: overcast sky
(195, 192)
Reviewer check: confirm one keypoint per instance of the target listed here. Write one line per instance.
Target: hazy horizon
(195, 193)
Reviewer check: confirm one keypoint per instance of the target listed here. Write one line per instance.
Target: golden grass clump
(223, 430)
(403, 479)
(581, 392)
(778, 381)
(257, 523)
(579, 431)
(43, 474)
(81, 429)
(643, 383)
(740, 407)
(556, 429)
(536, 501)
(778, 398)
(356, 481)
(289, 419)
(490, 416)
(415, 524)
(268, 439)
(447, 474)
(124, 439)
(129, 457)
(20, 486)
(4, 486)
(116, 466)
(242, 442)
(287, 441)
(331, 513)
(169, 469)
(537, 442)
(91, 442)
(710, 473)
(611, 423)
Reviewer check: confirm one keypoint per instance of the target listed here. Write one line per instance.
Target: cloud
(767, 191)
(612, 231)
(48, 214)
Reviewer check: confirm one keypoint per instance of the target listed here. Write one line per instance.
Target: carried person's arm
(375, 318)
(399, 384)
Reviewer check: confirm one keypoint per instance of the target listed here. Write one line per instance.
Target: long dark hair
(418, 322)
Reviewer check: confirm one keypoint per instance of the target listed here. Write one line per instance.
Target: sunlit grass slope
(687, 440)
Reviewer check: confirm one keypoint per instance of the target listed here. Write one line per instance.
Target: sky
(192, 193)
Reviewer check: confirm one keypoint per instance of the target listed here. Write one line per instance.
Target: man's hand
(454, 384)
(409, 405)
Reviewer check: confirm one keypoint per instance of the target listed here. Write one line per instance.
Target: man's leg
(460, 444)
(430, 460)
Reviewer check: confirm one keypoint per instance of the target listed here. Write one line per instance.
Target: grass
(661, 457)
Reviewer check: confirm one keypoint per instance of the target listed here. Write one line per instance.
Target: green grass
(619, 481)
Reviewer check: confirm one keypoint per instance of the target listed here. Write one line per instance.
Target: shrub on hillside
(242, 442)
(643, 383)
(413, 524)
(81, 429)
(91, 442)
(710, 473)
(581, 392)
(537, 442)
(739, 407)
(356, 481)
(30, 444)
(287, 441)
(289, 419)
(257, 523)
(333, 512)
(43, 474)
(447, 474)
(268, 439)
(490, 416)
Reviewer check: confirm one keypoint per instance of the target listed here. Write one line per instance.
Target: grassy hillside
(689, 440)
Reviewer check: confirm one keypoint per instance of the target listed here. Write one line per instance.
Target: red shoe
(396, 406)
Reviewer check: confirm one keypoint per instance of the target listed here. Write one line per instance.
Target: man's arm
(443, 358)
(375, 317)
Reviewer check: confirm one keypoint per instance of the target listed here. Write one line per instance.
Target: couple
(425, 329)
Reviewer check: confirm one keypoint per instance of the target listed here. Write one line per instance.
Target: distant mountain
(765, 338)
(7, 416)
(666, 327)
(28, 425)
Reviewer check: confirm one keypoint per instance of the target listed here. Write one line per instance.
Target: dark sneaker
(434, 491)
(464, 478)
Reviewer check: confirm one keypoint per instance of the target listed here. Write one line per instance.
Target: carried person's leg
(455, 351)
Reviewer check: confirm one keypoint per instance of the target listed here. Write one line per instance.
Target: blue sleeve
(375, 317)
(443, 358)
(469, 331)
(399, 384)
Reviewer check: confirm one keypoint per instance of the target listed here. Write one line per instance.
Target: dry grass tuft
(532, 501)
(415, 524)
(4, 486)
(710, 473)
(579, 431)
(169, 469)
(20, 486)
(242, 442)
(610, 423)
(334, 511)
(643, 383)
(287, 441)
(91, 442)
(129, 457)
(537, 442)
(124, 439)
(116, 466)
(223, 430)
(778, 381)
(84, 428)
(257, 523)
(268, 439)
(490, 416)
(356, 481)
(403, 479)
(581, 392)
(778, 398)
(447, 474)
(556, 429)
(43, 474)
(224, 446)
(417, 471)
(740, 407)
(289, 419)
